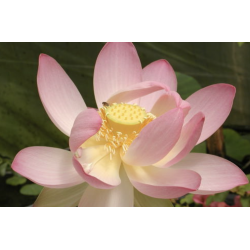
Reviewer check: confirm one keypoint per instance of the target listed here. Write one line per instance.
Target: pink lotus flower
(140, 137)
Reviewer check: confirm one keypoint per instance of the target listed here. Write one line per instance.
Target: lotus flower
(140, 136)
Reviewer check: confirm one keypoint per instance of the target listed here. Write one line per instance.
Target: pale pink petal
(97, 168)
(135, 91)
(87, 124)
(120, 196)
(189, 136)
(60, 97)
(215, 102)
(159, 71)
(60, 197)
(156, 139)
(185, 106)
(163, 183)
(164, 103)
(167, 101)
(117, 67)
(218, 174)
(49, 167)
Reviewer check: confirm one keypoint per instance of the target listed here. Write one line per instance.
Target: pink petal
(131, 93)
(159, 71)
(168, 101)
(117, 67)
(49, 167)
(87, 124)
(189, 136)
(156, 139)
(163, 183)
(218, 174)
(215, 102)
(60, 197)
(60, 97)
(120, 196)
(96, 167)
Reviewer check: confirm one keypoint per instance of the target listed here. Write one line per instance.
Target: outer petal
(189, 136)
(217, 174)
(142, 200)
(96, 167)
(215, 102)
(163, 183)
(120, 196)
(167, 101)
(160, 71)
(117, 67)
(62, 197)
(156, 139)
(131, 93)
(60, 97)
(49, 167)
(87, 124)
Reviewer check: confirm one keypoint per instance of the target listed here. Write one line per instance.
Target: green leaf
(217, 197)
(236, 146)
(142, 200)
(248, 177)
(244, 188)
(200, 148)
(239, 190)
(31, 189)
(16, 180)
(220, 196)
(209, 200)
(245, 201)
(187, 85)
(246, 136)
(3, 167)
(188, 199)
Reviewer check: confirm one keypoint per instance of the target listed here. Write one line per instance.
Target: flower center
(125, 118)
(121, 125)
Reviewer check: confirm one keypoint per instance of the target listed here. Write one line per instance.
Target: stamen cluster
(121, 124)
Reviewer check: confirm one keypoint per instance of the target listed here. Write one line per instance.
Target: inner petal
(168, 101)
(96, 162)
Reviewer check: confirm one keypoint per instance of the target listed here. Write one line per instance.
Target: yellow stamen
(121, 125)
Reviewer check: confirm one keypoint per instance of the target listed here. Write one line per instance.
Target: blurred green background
(23, 121)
